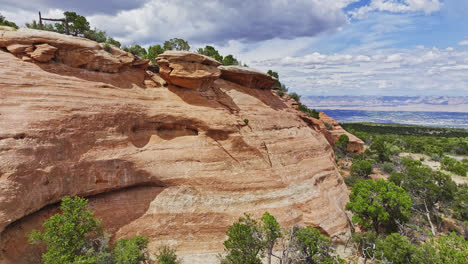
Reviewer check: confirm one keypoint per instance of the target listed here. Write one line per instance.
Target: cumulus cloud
(83, 7)
(403, 6)
(387, 72)
(221, 21)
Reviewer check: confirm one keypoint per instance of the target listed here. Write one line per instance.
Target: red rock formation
(189, 70)
(73, 51)
(176, 164)
(355, 144)
(247, 77)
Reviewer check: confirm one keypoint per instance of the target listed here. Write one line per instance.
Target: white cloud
(426, 6)
(386, 72)
(463, 43)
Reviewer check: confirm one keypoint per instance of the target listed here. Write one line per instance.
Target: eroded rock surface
(189, 70)
(247, 77)
(355, 144)
(177, 165)
(44, 46)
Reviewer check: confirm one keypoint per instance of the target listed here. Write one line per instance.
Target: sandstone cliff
(172, 161)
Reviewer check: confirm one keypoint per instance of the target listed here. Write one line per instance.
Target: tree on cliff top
(4, 22)
(176, 44)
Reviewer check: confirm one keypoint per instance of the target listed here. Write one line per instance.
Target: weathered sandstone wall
(176, 164)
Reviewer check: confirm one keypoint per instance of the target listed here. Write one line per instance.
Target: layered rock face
(355, 144)
(44, 46)
(174, 162)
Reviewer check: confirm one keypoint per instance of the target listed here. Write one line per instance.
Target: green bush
(295, 96)
(395, 249)
(246, 121)
(4, 22)
(379, 205)
(74, 236)
(131, 250)
(361, 168)
(167, 255)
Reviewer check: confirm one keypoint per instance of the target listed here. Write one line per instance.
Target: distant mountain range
(389, 103)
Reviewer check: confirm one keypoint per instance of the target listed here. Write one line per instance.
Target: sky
(318, 47)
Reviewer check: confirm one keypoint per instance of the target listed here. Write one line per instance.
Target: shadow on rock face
(116, 210)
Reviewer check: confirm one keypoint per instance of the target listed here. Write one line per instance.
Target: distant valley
(389, 103)
(443, 111)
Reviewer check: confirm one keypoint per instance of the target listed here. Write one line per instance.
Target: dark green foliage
(78, 25)
(154, 52)
(379, 205)
(432, 141)
(75, 237)
(271, 233)
(210, 51)
(454, 166)
(112, 41)
(136, 50)
(426, 187)
(230, 60)
(167, 255)
(311, 113)
(4, 22)
(273, 74)
(361, 168)
(366, 243)
(46, 26)
(295, 96)
(328, 126)
(314, 248)
(446, 249)
(280, 93)
(396, 249)
(130, 251)
(379, 148)
(245, 243)
(341, 145)
(96, 35)
(460, 203)
(176, 44)
(388, 167)
(67, 235)
(246, 121)
(107, 47)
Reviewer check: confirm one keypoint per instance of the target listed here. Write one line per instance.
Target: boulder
(187, 69)
(247, 77)
(19, 48)
(43, 52)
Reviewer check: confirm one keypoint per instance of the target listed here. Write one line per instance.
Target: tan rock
(247, 77)
(176, 165)
(355, 144)
(43, 52)
(73, 51)
(187, 69)
(18, 48)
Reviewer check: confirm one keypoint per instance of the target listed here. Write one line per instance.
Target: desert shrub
(328, 126)
(246, 121)
(295, 96)
(361, 168)
(379, 205)
(395, 248)
(167, 255)
(388, 167)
